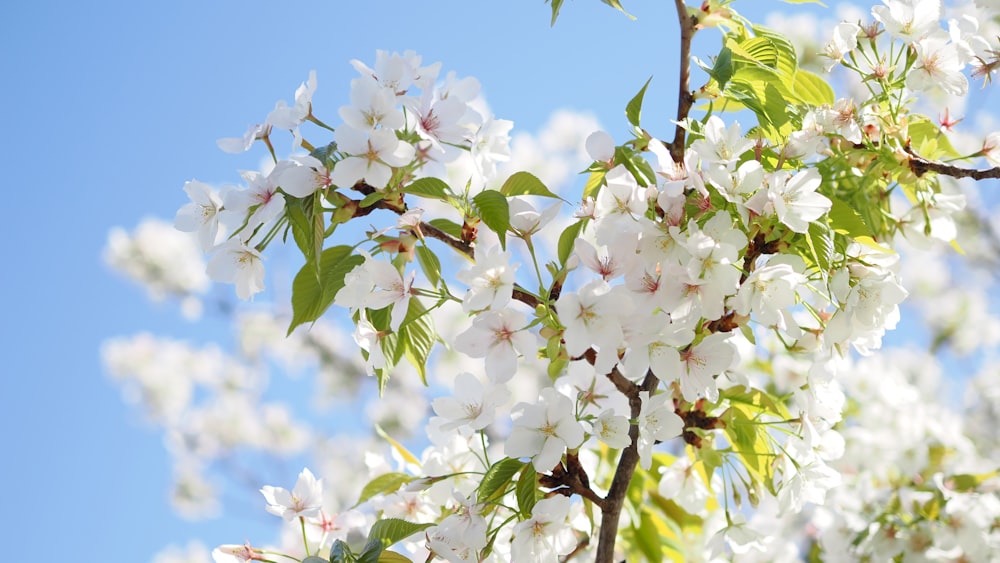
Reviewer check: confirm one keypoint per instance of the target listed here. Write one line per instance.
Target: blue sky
(112, 106)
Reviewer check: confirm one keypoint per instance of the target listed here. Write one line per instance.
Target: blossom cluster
(697, 318)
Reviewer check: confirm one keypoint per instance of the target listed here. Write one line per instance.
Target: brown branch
(920, 166)
(685, 98)
(524, 297)
(611, 508)
(435, 233)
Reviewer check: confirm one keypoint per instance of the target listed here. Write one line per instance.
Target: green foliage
(497, 477)
(525, 183)
(432, 188)
(383, 484)
(633, 110)
(568, 239)
(392, 530)
(527, 490)
(312, 294)
(494, 211)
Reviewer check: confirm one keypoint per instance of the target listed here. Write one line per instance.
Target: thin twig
(685, 98)
(920, 166)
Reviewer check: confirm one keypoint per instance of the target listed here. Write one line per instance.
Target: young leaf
(372, 551)
(393, 557)
(387, 483)
(634, 107)
(416, 337)
(556, 5)
(430, 264)
(433, 188)
(494, 211)
(392, 530)
(311, 296)
(497, 477)
(568, 239)
(449, 227)
(400, 449)
(525, 183)
(527, 490)
(341, 553)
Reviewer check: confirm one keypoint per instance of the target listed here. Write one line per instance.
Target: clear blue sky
(111, 106)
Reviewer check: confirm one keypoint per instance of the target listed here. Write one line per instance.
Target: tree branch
(920, 166)
(611, 508)
(685, 98)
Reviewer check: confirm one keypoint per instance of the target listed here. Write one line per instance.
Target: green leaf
(497, 477)
(311, 296)
(967, 481)
(634, 107)
(372, 198)
(594, 183)
(430, 264)
(393, 557)
(449, 227)
(400, 448)
(757, 400)
(846, 221)
(647, 536)
(556, 5)
(525, 183)
(433, 188)
(567, 240)
(372, 551)
(341, 553)
(750, 441)
(722, 70)
(314, 559)
(387, 483)
(820, 243)
(417, 336)
(392, 530)
(494, 211)
(812, 89)
(527, 490)
(618, 6)
(302, 227)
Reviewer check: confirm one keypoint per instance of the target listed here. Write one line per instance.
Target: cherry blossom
(304, 501)
(545, 430)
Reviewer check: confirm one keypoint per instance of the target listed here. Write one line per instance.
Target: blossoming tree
(669, 364)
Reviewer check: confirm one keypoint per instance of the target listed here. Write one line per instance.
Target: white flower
(909, 19)
(525, 220)
(305, 500)
(259, 204)
(938, 66)
(390, 289)
(301, 176)
(373, 156)
(721, 146)
(657, 422)
(701, 363)
(491, 145)
(543, 431)
(593, 317)
(612, 429)
(991, 148)
(235, 262)
(545, 536)
(600, 146)
(201, 215)
(372, 106)
(619, 206)
(500, 337)
(472, 405)
(236, 145)
(793, 199)
(234, 553)
(284, 117)
(490, 280)
(370, 340)
(682, 483)
(844, 40)
(768, 292)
